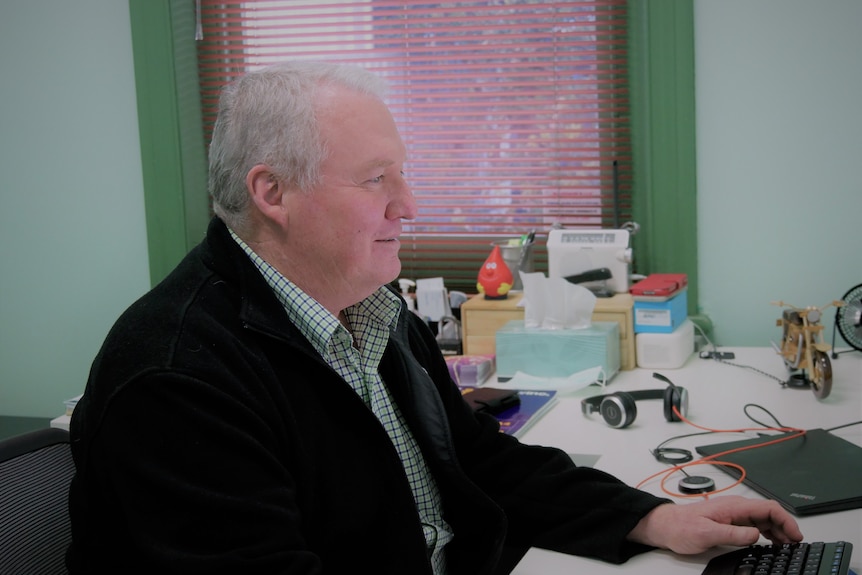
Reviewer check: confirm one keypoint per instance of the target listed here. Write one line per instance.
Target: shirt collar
(314, 321)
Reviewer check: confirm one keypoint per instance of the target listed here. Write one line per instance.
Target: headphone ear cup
(677, 397)
(618, 409)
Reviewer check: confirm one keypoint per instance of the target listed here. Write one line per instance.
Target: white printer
(573, 252)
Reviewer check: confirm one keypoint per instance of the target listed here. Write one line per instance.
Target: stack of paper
(62, 422)
(71, 403)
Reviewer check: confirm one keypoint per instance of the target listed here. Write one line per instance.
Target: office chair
(35, 471)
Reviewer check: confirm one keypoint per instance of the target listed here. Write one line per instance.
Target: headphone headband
(591, 404)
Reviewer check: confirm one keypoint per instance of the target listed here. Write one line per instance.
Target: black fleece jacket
(212, 438)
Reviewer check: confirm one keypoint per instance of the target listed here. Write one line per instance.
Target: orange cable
(712, 459)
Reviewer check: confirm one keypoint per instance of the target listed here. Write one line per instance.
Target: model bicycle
(803, 348)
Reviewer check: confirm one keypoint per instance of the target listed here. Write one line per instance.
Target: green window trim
(663, 131)
(661, 60)
(173, 153)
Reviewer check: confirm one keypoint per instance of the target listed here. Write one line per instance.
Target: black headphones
(619, 410)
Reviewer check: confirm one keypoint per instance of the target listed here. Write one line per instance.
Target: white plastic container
(665, 350)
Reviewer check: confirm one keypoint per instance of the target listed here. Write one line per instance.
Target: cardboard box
(557, 352)
(661, 316)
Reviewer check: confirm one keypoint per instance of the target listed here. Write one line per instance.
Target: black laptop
(817, 472)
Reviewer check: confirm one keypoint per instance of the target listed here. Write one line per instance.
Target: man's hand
(732, 520)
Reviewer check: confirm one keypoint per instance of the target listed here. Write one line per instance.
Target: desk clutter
(516, 410)
(481, 319)
(654, 329)
(664, 336)
(653, 332)
(660, 303)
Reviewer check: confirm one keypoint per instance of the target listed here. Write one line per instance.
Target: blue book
(534, 404)
(518, 419)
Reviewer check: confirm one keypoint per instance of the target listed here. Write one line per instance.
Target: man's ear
(266, 191)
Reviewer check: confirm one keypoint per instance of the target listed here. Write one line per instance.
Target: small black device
(717, 355)
(598, 274)
(696, 484)
(491, 400)
(619, 409)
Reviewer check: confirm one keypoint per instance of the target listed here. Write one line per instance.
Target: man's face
(342, 238)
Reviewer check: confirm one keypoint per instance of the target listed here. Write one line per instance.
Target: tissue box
(558, 352)
(661, 316)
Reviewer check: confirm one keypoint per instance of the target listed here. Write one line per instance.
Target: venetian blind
(514, 114)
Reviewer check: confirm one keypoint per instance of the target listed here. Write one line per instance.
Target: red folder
(659, 285)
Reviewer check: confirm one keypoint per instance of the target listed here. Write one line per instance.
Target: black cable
(715, 357)
(754, 369)
(844, 425)
(682, 437)
(676, 455)
(672, 455)
(760, 423)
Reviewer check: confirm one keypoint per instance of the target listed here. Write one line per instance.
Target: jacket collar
(259, 307)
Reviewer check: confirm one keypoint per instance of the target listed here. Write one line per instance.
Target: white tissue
(534, 304)
(555, 303)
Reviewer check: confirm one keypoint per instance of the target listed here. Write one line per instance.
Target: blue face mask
(562, 385)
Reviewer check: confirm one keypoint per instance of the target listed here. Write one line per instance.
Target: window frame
(173, 153)
(663, 130)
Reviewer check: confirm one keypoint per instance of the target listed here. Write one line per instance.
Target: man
(270, 408)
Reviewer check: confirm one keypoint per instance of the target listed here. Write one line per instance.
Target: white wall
(779, 160)
(73, 248)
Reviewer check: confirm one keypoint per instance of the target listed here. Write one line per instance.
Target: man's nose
(404, 204)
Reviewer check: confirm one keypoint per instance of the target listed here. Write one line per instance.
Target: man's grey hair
(268, 116)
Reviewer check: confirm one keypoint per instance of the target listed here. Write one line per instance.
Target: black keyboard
(788, 559)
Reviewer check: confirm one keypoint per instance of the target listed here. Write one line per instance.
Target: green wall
(73, 244)
(778, 147)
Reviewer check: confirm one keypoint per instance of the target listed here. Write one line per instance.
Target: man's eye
(379, 179)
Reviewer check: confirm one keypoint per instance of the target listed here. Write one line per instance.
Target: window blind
(514, 114)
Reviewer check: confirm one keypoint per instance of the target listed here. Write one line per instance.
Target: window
(515, 115)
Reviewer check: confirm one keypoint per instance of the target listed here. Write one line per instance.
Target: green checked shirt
(356, 358)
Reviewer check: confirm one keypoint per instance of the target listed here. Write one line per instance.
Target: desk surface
(717, 396)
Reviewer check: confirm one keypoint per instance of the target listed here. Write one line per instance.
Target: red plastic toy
(495, 278)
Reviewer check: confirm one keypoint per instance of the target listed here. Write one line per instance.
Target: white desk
(717, 394)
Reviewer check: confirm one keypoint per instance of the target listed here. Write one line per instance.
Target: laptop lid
(817, 472)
